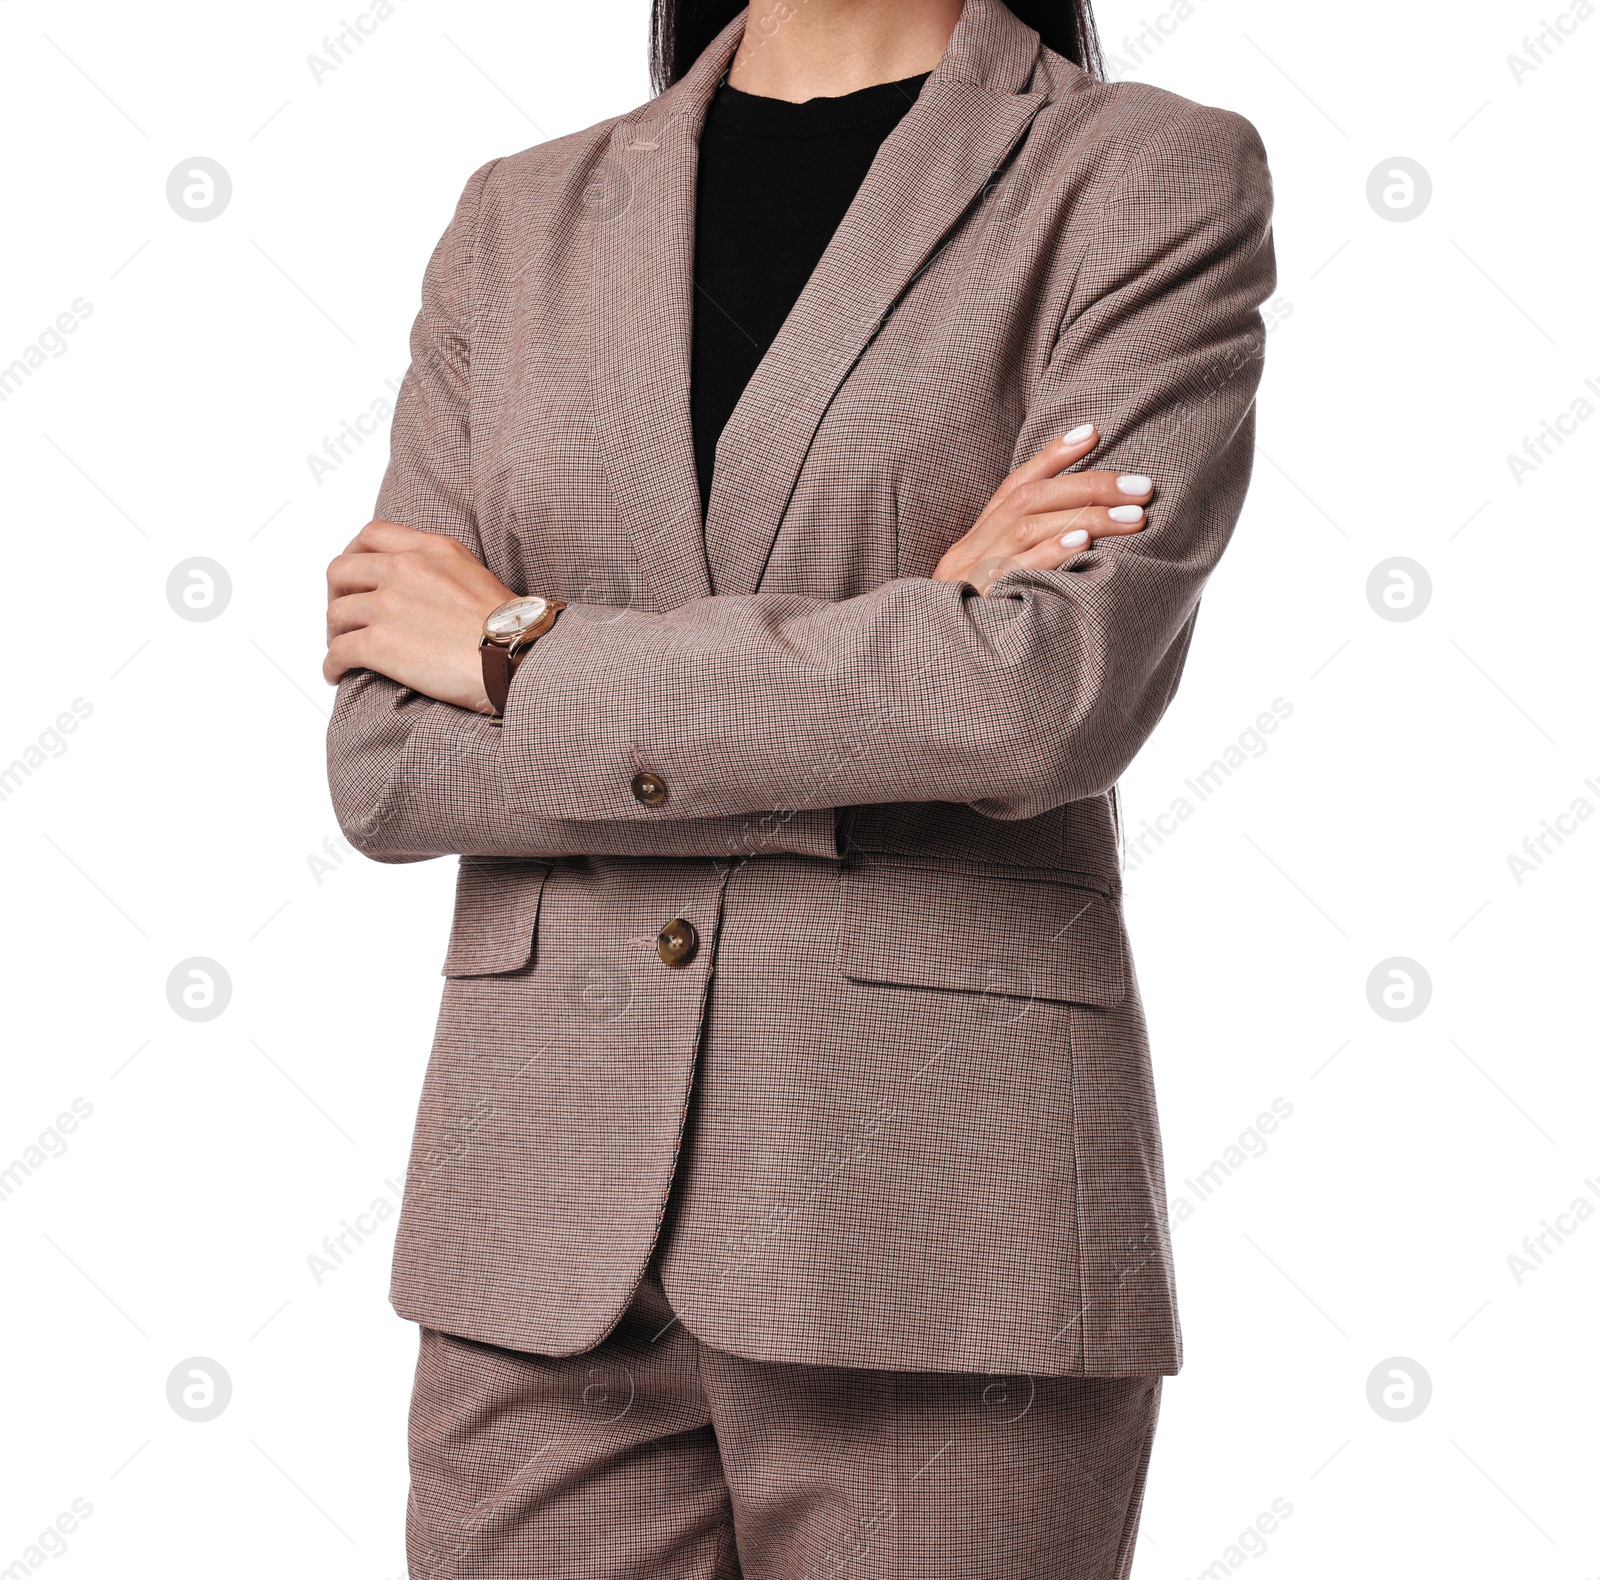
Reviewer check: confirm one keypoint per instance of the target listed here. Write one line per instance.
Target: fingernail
(1126, 513)
(1075, 540)
(1134, 483)
(1078, 434)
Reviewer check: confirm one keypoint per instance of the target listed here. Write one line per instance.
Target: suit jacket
(900, 1094)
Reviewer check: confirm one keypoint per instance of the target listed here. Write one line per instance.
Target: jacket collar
(969, 116)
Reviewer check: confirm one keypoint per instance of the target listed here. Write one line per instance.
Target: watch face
(512, 619)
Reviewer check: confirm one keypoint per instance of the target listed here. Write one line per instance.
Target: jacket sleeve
(413, 778)
(1014, 703)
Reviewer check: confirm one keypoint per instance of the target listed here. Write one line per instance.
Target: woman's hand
(410, 605)
(1038, 520)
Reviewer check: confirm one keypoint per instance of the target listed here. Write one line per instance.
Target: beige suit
(896, 1109)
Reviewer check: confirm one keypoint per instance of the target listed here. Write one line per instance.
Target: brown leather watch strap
(498, 668)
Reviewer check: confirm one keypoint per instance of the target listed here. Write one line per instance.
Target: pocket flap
(980, 932)
(497, 916)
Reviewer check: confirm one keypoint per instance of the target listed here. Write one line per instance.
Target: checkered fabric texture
(655, 1456)
(896, 1112)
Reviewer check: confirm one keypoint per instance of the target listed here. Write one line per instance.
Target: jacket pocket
(980, 931)
(496, 917)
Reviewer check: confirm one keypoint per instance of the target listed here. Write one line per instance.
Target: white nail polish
(1126, 513)
(1078, 434)
(1075, 540)
(1134, 483)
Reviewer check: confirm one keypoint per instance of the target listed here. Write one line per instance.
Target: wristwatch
(508, 633)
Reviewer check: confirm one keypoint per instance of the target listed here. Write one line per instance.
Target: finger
(979, 553)
(1056, 455)
(354, 572)
(1073, 532)
(364, 541)
(353, 613)
(1054, 555)
(1010, 528)
(1077, 489)
(1099, 521)
(389, 537)
(1056, 550)
(344, 654)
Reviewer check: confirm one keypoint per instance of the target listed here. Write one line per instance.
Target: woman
(786, 1197)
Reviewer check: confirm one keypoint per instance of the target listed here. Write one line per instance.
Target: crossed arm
(1025, 673)
(411, 604)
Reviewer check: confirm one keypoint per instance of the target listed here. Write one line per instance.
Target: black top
(774, 181)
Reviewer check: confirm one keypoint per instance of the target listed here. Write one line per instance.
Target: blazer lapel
(967, 119)
(969, 116)
(643, 197)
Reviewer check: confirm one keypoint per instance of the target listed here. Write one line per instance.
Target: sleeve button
(676, 942)
(649, 788)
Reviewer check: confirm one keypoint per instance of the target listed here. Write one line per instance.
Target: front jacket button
(649, 788)
(677, 942)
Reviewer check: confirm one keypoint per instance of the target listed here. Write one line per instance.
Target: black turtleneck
(774, 181)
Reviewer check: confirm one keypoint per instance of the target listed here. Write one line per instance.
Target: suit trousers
(656, 1457)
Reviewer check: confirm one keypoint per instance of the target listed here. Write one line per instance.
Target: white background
(181, 816)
